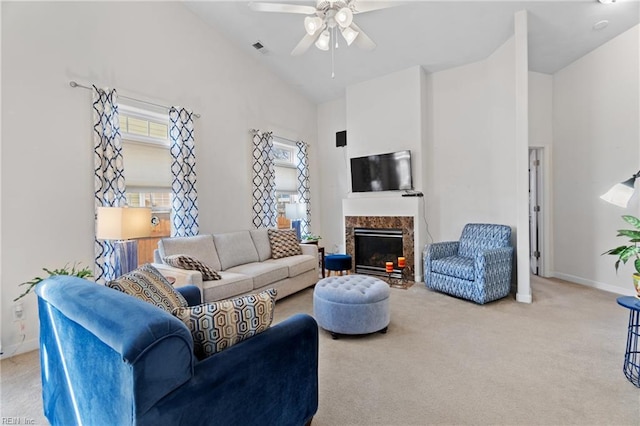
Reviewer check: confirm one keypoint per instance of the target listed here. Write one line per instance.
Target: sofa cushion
(260, 239)
(284, 242)
(216, 326)
(200, 247)
(230, 285)
(235, 248)
(263, 273)
(455, 266)
(296, 264)
(146, 283)
(192, 264)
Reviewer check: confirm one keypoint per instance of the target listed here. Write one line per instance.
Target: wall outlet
(18, 312)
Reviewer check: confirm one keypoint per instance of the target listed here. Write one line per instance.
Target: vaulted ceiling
(436, 35)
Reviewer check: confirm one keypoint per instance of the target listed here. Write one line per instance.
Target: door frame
(544, 220)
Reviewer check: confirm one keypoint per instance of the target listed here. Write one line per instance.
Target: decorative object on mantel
(74, 271)
(627, 252)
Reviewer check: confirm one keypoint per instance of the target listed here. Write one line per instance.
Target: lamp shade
(323, 40)
(123, 223)
(295, 211)
(349, 35)
(621, 193)
(344, 17)
(312, 24)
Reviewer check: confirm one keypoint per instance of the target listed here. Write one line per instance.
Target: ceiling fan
(330, 17)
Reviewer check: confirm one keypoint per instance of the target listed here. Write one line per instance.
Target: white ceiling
(434, 34)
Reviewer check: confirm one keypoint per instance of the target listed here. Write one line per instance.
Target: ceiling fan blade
(368, 6)
(281, 7)
(304, 44)
(362, 40)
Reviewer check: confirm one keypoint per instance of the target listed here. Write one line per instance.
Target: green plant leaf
(637, 265)
(632, 220)
(628, 233)
(615, 251)
(629, 252)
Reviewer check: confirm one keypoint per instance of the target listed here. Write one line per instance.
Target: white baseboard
(594, 284)
(524, 298)
(19, 348)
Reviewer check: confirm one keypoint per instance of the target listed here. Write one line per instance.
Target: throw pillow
(284, 243)
(148, 284)
(216, 326)
(183, 261)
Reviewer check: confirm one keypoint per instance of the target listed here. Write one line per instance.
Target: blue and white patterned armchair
(478, 267)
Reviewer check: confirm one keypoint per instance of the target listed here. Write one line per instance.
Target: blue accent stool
(108, 358)
(477, 268)
(351, 304)
(337, 262)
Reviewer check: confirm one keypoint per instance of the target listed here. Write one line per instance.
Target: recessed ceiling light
(600, 25)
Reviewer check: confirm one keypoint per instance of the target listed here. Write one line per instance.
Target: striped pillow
(284, 243)
(147, 283)
(215, 326)
(183, 261)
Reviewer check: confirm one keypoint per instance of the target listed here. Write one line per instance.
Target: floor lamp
(621, 193)
(296, 212)
(123, 225)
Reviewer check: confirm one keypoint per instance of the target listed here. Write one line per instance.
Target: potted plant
(310, 239)
(75, 271)
(630, 251)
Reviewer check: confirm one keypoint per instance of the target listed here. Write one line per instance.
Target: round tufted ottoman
(351, 304)
(337, 262)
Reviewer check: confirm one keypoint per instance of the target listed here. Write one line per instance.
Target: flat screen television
(382, 172)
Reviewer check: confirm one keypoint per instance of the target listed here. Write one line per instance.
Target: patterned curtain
(264, 185)
(304, 192)
(108, 172)
(184, 200)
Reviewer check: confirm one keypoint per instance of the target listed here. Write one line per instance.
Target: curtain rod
(75, 84)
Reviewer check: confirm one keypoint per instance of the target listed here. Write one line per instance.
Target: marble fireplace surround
(382, 222)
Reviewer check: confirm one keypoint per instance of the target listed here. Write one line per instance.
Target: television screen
(383, 172)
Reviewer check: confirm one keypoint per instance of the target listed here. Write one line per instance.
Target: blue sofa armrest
(99, 346)
(269, 379)
(191, 293)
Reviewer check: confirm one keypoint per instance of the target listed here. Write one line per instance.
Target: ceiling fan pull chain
(332, 57)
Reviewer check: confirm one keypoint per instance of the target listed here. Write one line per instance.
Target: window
(147, 161)
(286, 174)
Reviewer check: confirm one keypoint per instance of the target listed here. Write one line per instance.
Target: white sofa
(243, 260)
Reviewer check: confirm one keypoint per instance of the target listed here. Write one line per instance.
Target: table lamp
(123, 225)
(295, 212)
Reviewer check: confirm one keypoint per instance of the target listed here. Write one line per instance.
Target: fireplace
(375, 246)
(397, 235)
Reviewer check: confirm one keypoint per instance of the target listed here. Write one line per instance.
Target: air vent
(258, 46)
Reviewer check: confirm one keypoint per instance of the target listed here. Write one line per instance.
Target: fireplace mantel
(376, 211)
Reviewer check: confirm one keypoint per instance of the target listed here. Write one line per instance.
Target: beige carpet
(447, 361)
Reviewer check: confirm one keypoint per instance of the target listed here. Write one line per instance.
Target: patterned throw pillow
(147, 284)
(284, 243)
(183, 261)
(215, 326)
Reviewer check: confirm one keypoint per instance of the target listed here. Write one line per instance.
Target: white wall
(47, 163)
(385, 115)
(596, 143)
(471, 170)
(335, 181)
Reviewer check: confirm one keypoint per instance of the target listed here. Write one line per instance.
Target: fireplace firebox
(375, 246)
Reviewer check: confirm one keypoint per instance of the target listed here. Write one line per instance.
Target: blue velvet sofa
(477, 267)
(108, 358)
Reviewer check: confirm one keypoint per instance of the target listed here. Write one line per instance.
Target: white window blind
(147, 167)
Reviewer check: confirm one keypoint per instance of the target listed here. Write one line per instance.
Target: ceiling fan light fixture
(344, 17)
(323, 40)
(312, 24)
(349, 35)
